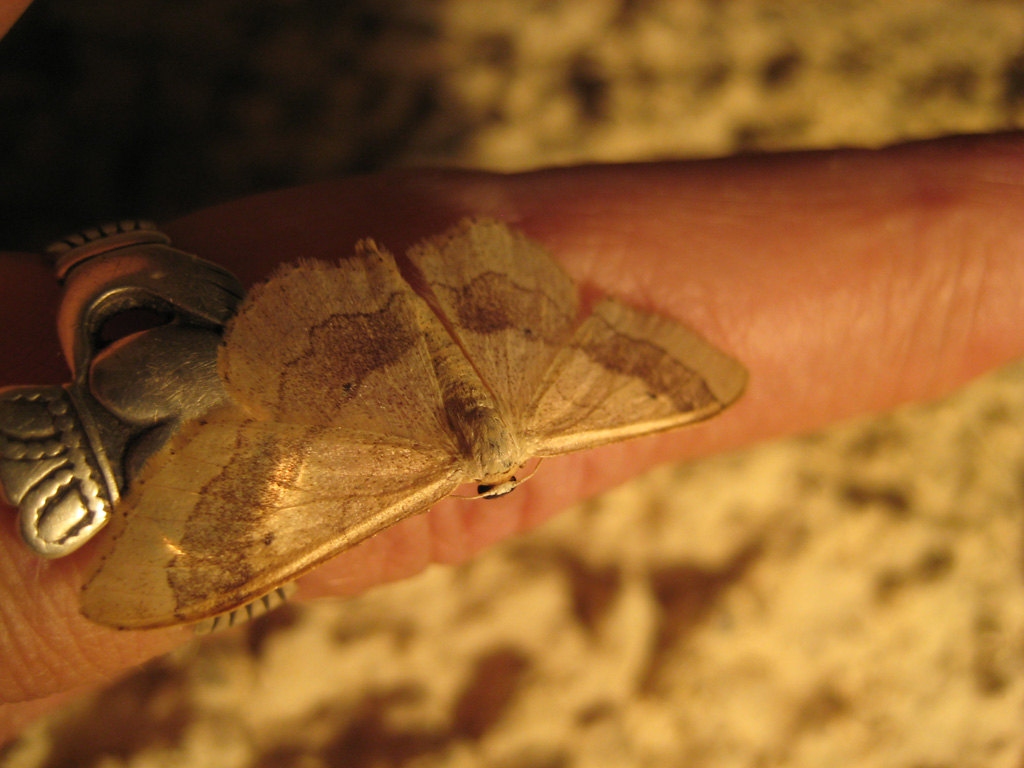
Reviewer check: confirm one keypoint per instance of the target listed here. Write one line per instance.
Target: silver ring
(139, 325)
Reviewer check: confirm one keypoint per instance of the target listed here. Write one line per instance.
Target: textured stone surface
(851, 598)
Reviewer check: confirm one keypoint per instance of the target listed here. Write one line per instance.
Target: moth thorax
(490, 447)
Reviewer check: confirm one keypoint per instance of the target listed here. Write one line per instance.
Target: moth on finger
(356, 401)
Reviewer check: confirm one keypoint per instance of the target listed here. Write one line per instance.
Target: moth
(362, 392)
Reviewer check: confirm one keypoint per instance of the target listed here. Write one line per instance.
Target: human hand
(846, 282)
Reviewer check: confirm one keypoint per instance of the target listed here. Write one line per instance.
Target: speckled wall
(851, 598)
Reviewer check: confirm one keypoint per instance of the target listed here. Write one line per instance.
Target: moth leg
(243, 613)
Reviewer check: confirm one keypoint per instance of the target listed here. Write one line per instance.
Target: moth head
(494, 490)
(493, 487)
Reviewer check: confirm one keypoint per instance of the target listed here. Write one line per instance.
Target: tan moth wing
(509, 305)
(338, 431)
(564, 385)
(345, 344)
(628, 373)
(235, 507)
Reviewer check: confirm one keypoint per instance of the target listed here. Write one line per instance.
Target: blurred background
(848, 598)
(153, 108)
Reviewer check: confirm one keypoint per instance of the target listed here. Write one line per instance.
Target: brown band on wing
(345, 348)
(235, 498)
(659, 370)
(483, 305)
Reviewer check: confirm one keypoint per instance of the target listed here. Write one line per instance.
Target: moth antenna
(532, 471)
(244, 613)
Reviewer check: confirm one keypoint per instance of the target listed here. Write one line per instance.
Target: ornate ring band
(139, 324)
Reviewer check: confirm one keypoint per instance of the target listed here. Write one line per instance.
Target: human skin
(10, 10)
(847, 282)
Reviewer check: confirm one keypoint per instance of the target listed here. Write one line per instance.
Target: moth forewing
(508, 304)
(283, 499)
(625, 374)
